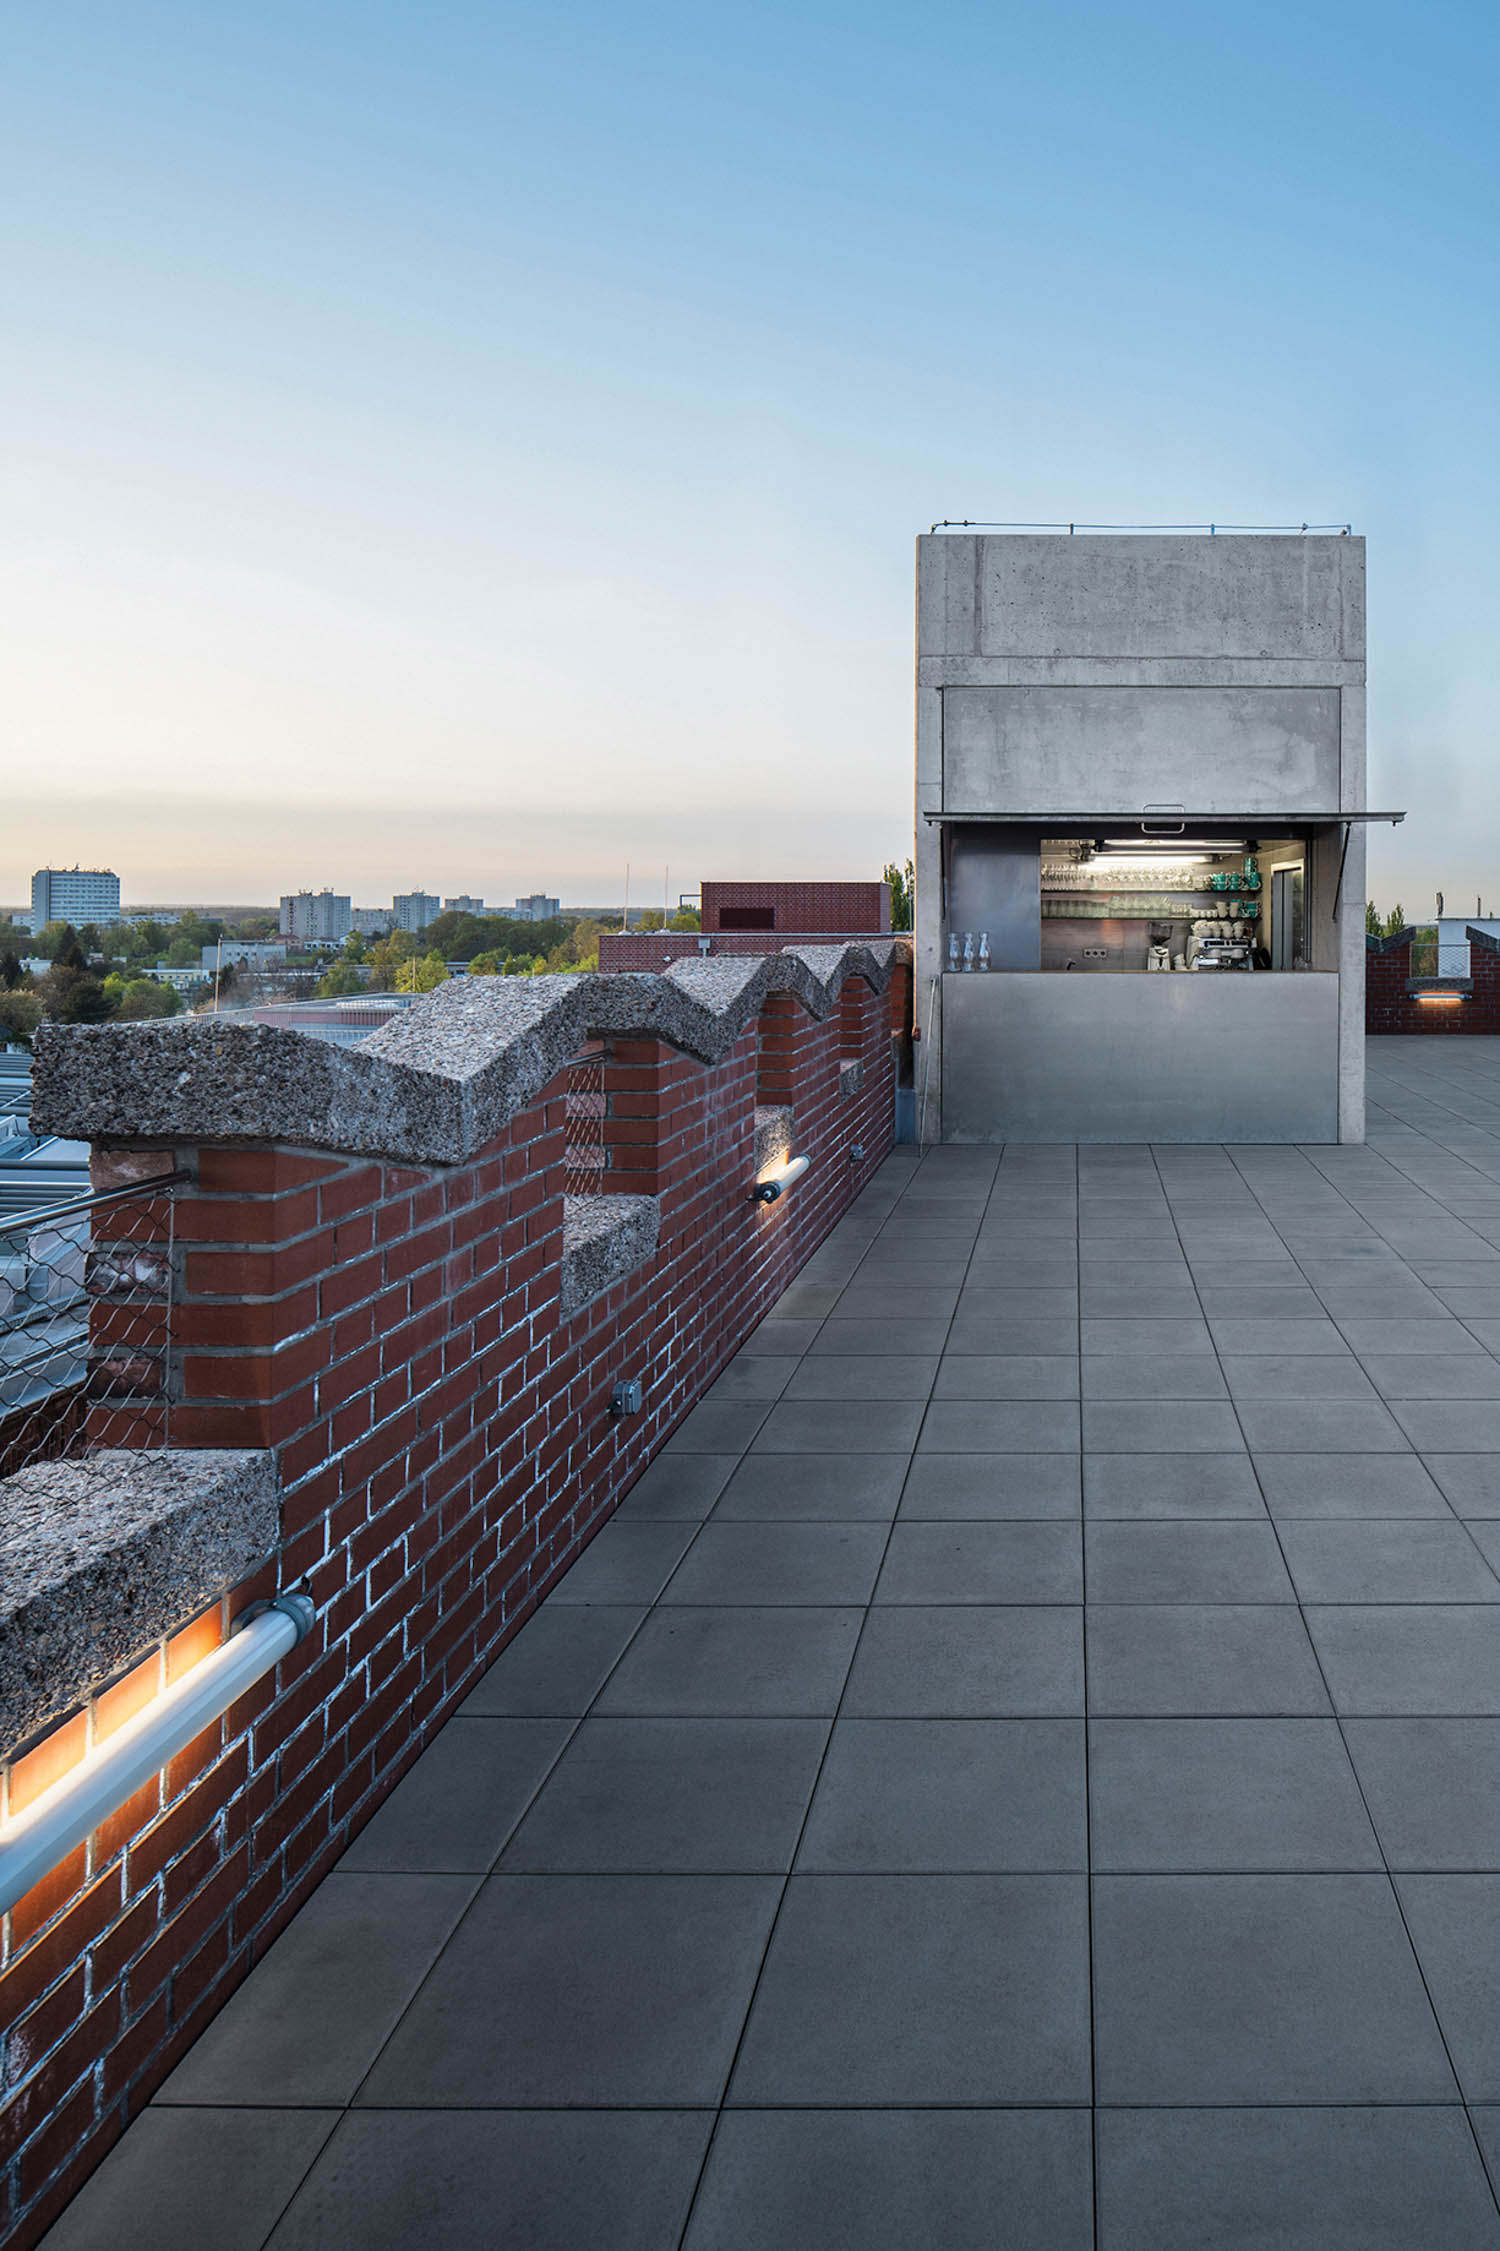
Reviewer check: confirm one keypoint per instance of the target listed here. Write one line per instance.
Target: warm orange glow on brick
(52, 1758)
(194, 1643)
(127, 1697)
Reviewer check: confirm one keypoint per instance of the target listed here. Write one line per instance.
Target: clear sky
(473, 446)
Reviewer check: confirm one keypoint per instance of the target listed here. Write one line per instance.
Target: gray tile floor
(1022, 1766)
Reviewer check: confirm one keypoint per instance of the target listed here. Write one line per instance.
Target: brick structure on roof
(1394, 999)
(845, 910)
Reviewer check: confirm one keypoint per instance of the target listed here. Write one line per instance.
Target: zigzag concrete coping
(432, 1086)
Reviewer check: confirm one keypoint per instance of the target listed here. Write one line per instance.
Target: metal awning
(1167, 818)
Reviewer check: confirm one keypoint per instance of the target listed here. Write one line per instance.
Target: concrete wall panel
(1224, 749)
(1170, 597)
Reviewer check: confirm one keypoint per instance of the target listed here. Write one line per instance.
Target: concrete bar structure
(1095, 703)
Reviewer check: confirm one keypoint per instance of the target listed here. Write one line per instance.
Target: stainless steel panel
(1190, 1056)
(995, 886)
(1218, 749)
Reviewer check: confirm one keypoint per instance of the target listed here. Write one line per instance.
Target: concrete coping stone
(774, 1124)
(103, 1555)
(604, 1239)
(437, 1082)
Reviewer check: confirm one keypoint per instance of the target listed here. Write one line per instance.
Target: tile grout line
(728, 2080)
(1391, 1884)
(796, 1847)
(1088, 1749)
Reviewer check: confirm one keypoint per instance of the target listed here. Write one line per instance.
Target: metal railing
(85, 1324)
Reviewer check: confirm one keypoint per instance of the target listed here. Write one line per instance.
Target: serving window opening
(1125, 901)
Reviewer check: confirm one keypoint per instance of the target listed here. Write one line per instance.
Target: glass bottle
(968, 951)
(984, 949)
(953, 950)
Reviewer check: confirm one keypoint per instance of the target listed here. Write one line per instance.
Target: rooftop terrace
(1022, 1765)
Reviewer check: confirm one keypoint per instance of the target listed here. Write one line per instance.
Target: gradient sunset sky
(473, 446)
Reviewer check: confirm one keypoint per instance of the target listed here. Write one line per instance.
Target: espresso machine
(1228, 948)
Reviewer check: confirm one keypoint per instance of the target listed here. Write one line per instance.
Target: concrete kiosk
(1137, 754)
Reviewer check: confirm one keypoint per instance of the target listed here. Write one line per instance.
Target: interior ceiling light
(1156, 860)
(1173, 848)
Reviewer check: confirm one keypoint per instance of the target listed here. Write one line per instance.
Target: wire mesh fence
(583, 1163)
(85, 1323)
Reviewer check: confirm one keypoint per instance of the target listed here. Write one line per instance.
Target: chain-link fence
(85, 1321)
(583, 1173)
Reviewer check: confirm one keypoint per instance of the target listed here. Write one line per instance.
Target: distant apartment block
(463, 904)
(75, 895)
(414, 910)
(246, 953)
(372, 922)
(319, 918)
(537, 907)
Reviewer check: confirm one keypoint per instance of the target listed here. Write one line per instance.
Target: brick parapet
(394, 1333)
(1394, 999)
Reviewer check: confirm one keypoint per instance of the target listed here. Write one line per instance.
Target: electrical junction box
(626, 1397)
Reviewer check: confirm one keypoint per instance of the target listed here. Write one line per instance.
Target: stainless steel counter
(1185, 1056)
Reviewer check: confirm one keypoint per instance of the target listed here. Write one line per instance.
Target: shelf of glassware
(1151, 906)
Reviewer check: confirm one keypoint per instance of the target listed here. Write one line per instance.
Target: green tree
(144, 998)
(339, 978)
(150, 941)
(485, 965)
(422, 975)
(387, 956)
(686, 919)
(355, 946)
(20, 1014)
(70, 992)
(1395, 920)
(11, 971)
(1374, 927)
(183, 954)
(51, 935)
(903, 893)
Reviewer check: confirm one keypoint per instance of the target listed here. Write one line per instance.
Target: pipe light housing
(61, 1817)
(776, 1183)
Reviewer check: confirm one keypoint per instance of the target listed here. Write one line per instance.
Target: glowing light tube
(777, 1183)
(35, 1841)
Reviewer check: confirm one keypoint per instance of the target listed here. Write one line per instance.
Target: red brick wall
(1389, 1007)
(445, 1450)
(849, 910)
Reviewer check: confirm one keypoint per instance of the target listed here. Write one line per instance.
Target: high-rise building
(75, 895)
(371, 922)
(321, 918)
(413, 910)
(463, 904)
(537, 907)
